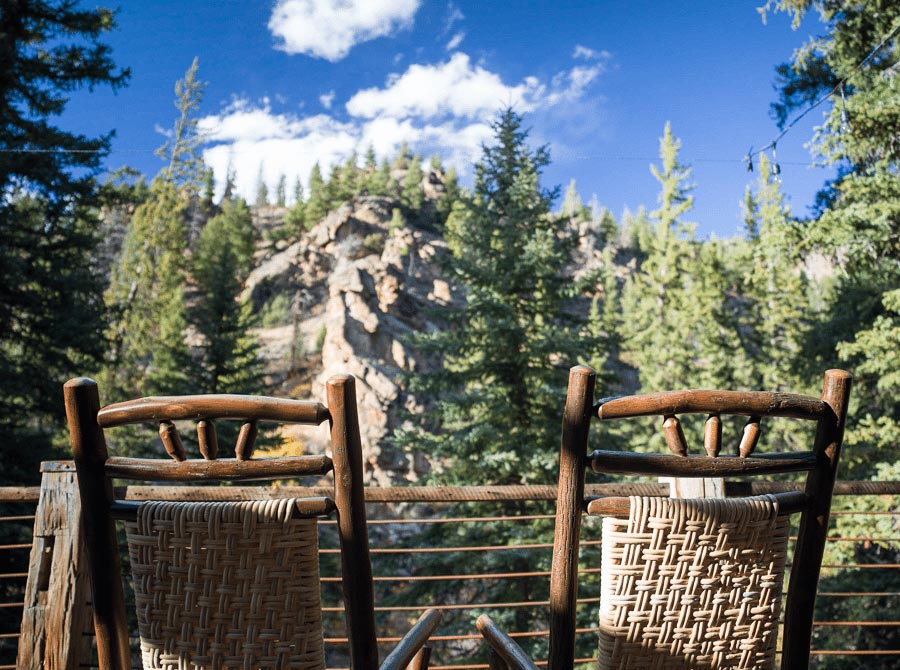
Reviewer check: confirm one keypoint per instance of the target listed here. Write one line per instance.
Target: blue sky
(295, 81)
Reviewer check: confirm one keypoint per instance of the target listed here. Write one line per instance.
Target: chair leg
(495, 661)
(421, 659)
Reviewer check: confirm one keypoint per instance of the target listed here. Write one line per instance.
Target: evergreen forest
(140, 281)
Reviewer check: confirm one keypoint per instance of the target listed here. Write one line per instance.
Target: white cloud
(455, 41)
(571, 86)
(330, 28)
(251, 138)
(458, 88)
(455, 88)
(326, 99)
(445, 108)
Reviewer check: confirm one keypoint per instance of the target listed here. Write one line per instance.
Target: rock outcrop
(356, 289)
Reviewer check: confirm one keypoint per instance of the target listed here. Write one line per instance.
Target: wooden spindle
(750, 437)
(675, 436)
(712, 435)
(171, 440)
(243, 450)
(206, 437)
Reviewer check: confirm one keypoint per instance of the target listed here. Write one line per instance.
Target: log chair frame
(813, 503)
(95, 469)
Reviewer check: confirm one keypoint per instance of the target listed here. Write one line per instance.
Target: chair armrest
(413, 641)
(504, 645)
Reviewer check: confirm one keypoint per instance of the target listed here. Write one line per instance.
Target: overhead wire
(839, 87)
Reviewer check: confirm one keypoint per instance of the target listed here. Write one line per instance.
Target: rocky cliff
(348, 293)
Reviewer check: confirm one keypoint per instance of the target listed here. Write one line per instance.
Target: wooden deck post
(56, 614)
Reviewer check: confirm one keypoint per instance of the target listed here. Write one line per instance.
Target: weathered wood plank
(58, 588)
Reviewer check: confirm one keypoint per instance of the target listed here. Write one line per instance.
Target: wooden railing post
(56, 614)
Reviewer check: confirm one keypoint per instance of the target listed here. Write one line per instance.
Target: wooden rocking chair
(689, 584)
(227, 584)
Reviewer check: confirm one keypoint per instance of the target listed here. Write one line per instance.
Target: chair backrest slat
(626, 463)
(153, 469)
(746, 403)
(213, 406)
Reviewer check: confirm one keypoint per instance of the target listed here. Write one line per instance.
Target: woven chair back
(226, 585)
(692, 584)
(696, 584)
(221, 584)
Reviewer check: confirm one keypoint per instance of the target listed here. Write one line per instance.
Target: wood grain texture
(814, 522)
(207, 440)
(749, 437)
(411, 644)
(171, 440)
(246, 441)
(674, 434)
(356, 566)
(747, 403)
(504, 646)
(152, 469)
(58, 586)
(620, 462)
(712, 435)
(223, 406)
(569, 505)
(89, 452)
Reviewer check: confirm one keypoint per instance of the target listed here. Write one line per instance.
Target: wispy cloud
(454, 16)
(330, 28)
(455, 41)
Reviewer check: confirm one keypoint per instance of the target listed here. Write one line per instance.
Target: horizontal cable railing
(425, 553)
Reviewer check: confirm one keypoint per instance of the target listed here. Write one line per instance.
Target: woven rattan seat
(227, 584)
(691, 584)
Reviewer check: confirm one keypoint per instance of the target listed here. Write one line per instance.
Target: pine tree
(51, 314)
(411, 194)
(859, 223)
(209, 187)
(350, 183)
(146, 294)
(229, 360)
(505, 356)
(295, 219)
(146, 298)
(779, 311)
(658, 332)
(237, 224)
(452, 194)
(317, 205)
(508, 354)
(281, 191)
(572, 205)
(371, 162)
(403, 157)
(230, 182)
(380, 181)
(262, 191)
(186, 168)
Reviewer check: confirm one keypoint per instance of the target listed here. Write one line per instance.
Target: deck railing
(462, 548)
